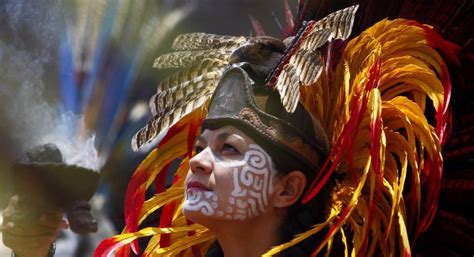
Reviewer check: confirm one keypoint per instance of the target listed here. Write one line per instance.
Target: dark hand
(28, 230)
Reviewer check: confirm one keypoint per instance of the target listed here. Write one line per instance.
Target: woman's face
(230, 177)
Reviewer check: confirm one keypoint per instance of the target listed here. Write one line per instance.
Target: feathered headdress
(390, 87)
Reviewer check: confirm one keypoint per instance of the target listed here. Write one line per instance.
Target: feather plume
(165, 101)
(313, 35)
(188, 74)
(202, 41)
(187, 58)
(316, 39)
(288, 84)
(340, 23)
(392, 131)
(386, 150)
(160, 123)
(308, 66)
(257, 27)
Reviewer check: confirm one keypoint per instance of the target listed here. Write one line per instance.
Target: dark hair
(302, 217)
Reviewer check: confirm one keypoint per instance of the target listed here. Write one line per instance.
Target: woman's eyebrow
(201, 139)
(226, 135)
(223, 136)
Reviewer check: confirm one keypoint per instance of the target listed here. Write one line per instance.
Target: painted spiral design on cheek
(256, 166)
(246, 177)
(257, 159)
(252, 183)
(195, 202)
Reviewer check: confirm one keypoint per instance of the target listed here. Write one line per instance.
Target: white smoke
(29, 109)
(78, 150)
(30, 118)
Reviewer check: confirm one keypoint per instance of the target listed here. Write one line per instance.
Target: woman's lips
(194, 185)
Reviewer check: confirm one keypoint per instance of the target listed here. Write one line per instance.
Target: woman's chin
(190, 215)
(196, 216)
(200, 218)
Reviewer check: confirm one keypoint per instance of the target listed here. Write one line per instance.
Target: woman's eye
(198, 149)
(229, 148)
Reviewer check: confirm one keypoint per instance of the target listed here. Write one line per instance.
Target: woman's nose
(202, 162)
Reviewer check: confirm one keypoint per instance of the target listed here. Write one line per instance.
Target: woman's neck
(248, 238)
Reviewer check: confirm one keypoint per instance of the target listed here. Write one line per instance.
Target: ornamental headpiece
(357, 110)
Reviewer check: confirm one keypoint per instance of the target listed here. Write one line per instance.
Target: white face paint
(252, 183)
(234, 189)
(202, 201)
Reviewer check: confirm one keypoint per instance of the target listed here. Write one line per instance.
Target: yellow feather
(405, 244)
(344, 242)
(424, 132)
(183, 243)
(329, 247)
(299, 238)
(157, 201)
(153, 243)
(150, 231)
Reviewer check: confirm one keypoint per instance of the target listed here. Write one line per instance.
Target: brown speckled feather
(184, 59)
(203, 67)
(339, 22)
(163, 101)
(288, 84)
(308, 65)
(160, 123)
(316, 39)
(201, 41)
(304, 66)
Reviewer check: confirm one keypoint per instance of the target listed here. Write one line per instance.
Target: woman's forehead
(225, 132)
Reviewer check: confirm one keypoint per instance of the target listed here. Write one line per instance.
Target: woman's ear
(288, 189)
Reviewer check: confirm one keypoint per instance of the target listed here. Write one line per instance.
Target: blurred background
(80, 73)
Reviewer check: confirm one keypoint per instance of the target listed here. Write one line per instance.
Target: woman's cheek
(197, 201)
(250, 186)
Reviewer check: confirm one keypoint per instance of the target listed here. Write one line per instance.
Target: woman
(354, 169)
(358, 178)
(246, 179)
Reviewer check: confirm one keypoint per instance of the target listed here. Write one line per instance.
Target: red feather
(345, 140)
(166, 218)
(161, 179)
(451, 52)
(135, 195)
(290, 24)
(194, 126)
(106, 247)
(134, 199)
(123, 251)
(165, 221)
(257, 26)
(335, 154)
(195, 248)
(375, 127)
